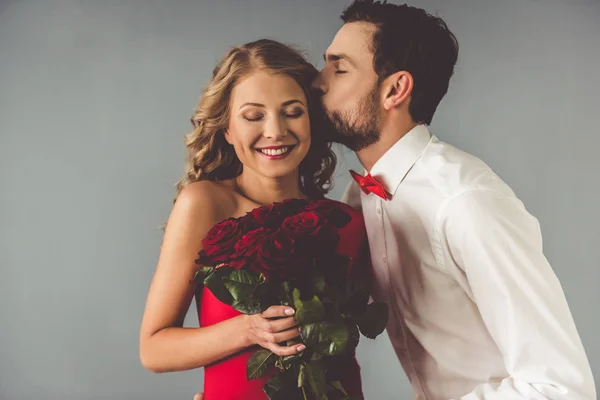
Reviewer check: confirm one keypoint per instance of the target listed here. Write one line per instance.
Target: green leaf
(311, 333)
(374, 319)
(338, 386)
(302, 380)
(281, 386)
(307, 311)
(249, 306)
(260, 363)
(288, 362)
(250, 296)
(201, 274)
(214, 282)
(285, 293)
(328, 338)
(244, 276)
(317, 379)
(275, 388)
(266, 294)
(335, 339)
(240, 284)
(319, 284)
(239, 291)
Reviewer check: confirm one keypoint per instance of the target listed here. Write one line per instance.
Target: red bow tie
(368, 184)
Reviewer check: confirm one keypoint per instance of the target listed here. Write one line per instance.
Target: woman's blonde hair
(210, 157)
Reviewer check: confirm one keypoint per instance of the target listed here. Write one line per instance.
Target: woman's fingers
(285, 350)
(277, 311)
(279, 337)
(282, 324)
(287, 335)
(274, 326)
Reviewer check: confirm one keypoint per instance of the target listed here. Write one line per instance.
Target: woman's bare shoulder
(208, 198)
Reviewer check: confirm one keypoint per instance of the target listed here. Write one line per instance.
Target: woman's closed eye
(294, 114)
(253, 117)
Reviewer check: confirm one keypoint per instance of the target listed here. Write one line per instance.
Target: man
(476, 311)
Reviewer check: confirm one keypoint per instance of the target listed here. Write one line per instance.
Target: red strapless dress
(226, 379)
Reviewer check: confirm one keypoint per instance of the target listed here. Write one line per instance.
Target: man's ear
(398, 88)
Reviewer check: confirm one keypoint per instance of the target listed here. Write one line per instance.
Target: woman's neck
(262, 190)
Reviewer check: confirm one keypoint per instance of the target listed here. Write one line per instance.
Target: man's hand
(199, 396)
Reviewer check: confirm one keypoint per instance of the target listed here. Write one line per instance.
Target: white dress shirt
(476, 311)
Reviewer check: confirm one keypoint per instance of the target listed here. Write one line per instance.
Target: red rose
(272, 215)
(323, 204)
(236, 262)
(220, 241)
(304, 222)
(282, 254)
(292, 206)
(246, 246)
(335, 212)
(261, 216)
(322, 234)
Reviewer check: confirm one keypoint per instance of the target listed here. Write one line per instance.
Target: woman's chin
(278, 168)
(279, 172)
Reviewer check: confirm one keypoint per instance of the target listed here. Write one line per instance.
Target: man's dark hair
(409, 39)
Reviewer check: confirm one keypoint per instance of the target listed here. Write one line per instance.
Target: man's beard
(346, 129)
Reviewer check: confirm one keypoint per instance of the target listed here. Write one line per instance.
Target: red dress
(226, 379)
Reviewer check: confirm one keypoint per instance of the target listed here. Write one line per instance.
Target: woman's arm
(164, 344)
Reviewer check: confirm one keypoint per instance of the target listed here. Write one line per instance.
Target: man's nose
(318, 84)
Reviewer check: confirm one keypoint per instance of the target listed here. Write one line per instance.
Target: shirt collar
(395, 163)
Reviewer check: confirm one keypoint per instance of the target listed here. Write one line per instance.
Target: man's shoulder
(453, 171)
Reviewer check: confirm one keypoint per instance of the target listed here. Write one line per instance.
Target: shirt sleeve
(496, 244)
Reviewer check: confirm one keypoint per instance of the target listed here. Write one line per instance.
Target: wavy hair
(210, 157)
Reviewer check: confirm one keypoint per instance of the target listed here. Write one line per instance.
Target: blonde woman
(255, 141)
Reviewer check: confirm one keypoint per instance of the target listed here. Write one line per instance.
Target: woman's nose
(276, 128)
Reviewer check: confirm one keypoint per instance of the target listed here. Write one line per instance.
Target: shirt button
(378, 210)
(385, 260)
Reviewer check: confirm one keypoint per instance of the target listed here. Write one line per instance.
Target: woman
(251, 146)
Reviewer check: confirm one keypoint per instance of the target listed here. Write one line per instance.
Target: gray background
(95, 97)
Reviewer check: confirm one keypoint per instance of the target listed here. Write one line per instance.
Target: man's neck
(390, 134)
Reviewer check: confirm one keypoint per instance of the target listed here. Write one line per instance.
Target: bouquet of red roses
(285, 254)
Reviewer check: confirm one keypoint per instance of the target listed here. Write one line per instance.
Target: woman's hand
(273, 326)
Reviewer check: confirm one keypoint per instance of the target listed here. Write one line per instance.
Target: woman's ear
(398, 88)
(227, 136)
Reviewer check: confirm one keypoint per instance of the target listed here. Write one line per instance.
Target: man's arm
(491, 239)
